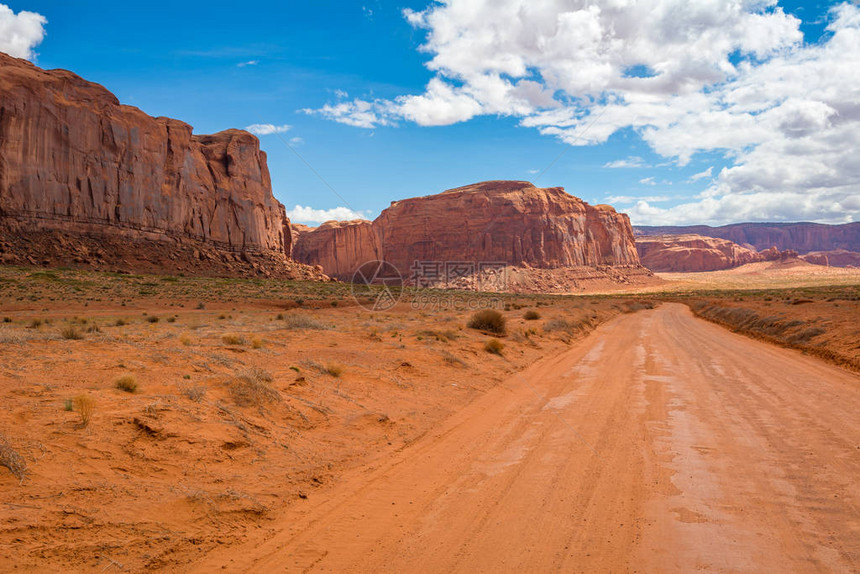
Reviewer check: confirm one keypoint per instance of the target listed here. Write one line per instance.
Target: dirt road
(661, 443)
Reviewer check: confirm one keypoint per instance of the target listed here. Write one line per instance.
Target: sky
(675, 112)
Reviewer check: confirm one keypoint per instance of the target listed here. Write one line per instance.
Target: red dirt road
(661, 443)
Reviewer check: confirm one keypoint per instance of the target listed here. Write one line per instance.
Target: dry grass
(85, 407)
(488, 320)
(253, 387)
(531, 315)
(295, 321)
(494, 346)
(232, 339)
(126, 383)
(71, 333)
(11, 459)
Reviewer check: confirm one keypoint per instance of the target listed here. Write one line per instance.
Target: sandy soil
(252, 396)
(661, 443)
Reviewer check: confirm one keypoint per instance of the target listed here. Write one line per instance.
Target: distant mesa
(512, 223)
(86, 181)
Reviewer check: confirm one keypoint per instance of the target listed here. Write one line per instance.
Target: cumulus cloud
(733, 76)
(267, 129)
(648, 181)
(20, 33)
(301, 214)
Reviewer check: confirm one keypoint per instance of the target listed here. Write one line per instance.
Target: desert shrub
(171, 319)
(488, 320)
(531, 315)
(232, 339)
(71, 332)
(94, 329)
(453, 359)
(152, 319)
(7, 319)
(11, 459)
(334, 369)
(85, 406)
(494, 346)
(304, 322)
(558, 324)
(633, 306)
(194, 392)
(35, 323)
(805, 335)
(120, 323)
(185, 340)
(126, 383)
(252, 387)
(257, 343)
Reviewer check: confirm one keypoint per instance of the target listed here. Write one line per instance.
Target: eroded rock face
(694, 253)
(73, 159)
(512, 222)
(339, 247)
(801, 237)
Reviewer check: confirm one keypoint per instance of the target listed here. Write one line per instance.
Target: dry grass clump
(488, 320)
(152, 319)
(256, 343)
(194, 392)
(531, 315)
(331, 368)
(253, 387)
(71, 333)
(232, 339)
(11, 459)
(126, 383)
(453, 359)
(494, 346)
(85, 406)
(296, 321)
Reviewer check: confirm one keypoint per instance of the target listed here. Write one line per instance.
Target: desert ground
(191, 424)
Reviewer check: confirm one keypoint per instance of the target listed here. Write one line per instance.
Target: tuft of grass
(85, 406)
(531, 315)
(71, 333)
(253, 387)
(120, 323)
(126, 383)
(334, 369)
(11, 459)
(256, 343)
(68, 406)
(232, 339)
(185, 340)
(488, 320)
(35, 323)
(194, 392)
(494, 346)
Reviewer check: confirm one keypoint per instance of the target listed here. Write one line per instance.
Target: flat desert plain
(191, 425)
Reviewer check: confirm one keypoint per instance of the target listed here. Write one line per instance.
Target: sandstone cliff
(508, 222)
(505, 221)
(694, 253)
(801, 237)
(339, 247)
(75, 161)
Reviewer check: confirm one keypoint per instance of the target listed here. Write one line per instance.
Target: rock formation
(509, 222)
(339, 247)
(74, 161)
(801, 237)
(694, 253)
(833, 258)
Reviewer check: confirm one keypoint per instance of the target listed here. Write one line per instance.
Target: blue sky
(693, 139)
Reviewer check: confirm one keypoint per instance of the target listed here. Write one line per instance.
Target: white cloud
(702, 174)
(20, 33)
(267, 129)
(613, 199)
(648, 181)
(731, 76)
(632, 161)
(248, 63)
(300, 214)
(296, 141)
